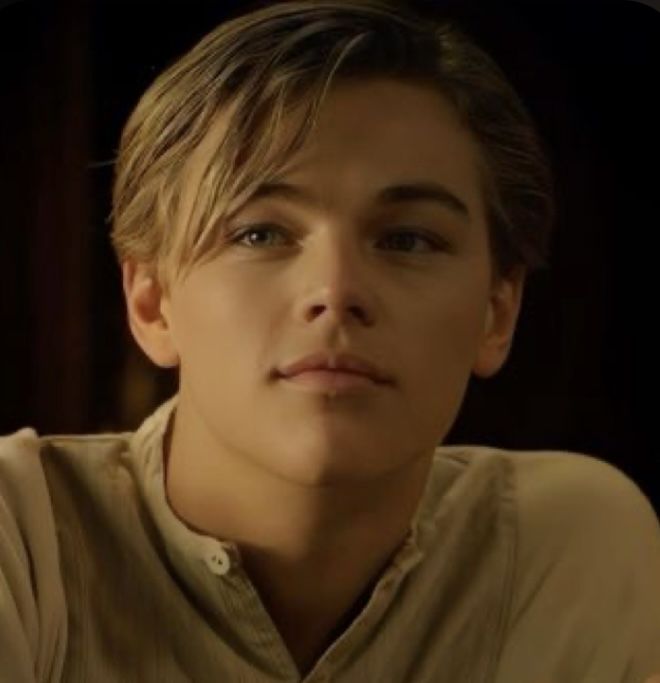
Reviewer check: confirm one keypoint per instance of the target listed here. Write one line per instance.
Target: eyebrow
(426, 191)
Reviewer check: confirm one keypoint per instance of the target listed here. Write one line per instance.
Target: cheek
(447, 351)
(442, 368)
(200, 321)
(452, 322)
(216, 324)
(444, 344)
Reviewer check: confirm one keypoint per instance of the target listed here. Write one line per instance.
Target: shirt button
(217, 561)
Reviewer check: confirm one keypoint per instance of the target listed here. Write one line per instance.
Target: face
(406, 283)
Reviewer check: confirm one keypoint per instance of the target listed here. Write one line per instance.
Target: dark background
(582, 372)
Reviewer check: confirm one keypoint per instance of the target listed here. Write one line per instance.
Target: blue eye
(435, 242)
(259, 229)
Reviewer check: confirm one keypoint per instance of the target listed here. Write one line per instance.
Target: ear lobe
(146, 310)
(500, 324)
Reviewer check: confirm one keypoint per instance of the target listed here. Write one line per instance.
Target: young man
(325, 214)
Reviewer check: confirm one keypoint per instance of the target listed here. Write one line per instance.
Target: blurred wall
(44, 219)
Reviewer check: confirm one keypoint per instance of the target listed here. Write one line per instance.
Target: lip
(338, 364)
(335, 381)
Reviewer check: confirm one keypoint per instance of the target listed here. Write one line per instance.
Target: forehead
(392, 121)
(380, 134)
(371, 135)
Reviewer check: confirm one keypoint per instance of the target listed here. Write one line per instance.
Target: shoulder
(29, 463)
(572, 498)
(42, 481)
(51, 485)
(586, 582)
(20, 467)
(33, 627)
(26, 516)
(48, 484)
(558, 499)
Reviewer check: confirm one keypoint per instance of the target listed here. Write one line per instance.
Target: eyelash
(437, 243)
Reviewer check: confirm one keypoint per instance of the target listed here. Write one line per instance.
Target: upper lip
(327, 360)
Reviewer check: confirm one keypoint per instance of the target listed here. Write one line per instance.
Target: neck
(311, 551)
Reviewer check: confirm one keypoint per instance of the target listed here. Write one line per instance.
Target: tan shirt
(520, 567)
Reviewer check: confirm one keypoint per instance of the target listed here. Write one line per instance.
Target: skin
(297, 479)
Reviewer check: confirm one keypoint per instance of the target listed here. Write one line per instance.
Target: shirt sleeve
(585, 606)
(33, 626)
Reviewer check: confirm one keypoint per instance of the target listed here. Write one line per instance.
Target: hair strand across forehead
(260, 70)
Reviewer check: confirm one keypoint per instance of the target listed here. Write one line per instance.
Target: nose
(338, 283)
(338, 312)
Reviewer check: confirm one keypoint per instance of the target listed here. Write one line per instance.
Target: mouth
(338, 381)
(336, 367)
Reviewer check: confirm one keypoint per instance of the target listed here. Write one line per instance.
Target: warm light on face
(373, 242)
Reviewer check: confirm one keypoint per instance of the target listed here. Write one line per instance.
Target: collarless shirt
(519, 567)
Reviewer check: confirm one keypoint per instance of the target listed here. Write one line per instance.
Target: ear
(148, 314)
(500, 323)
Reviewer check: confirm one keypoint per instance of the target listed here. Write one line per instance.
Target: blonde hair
(259, 69)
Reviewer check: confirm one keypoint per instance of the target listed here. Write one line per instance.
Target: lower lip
(334, 380)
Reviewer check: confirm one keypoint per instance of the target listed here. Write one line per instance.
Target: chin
(318, 467)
